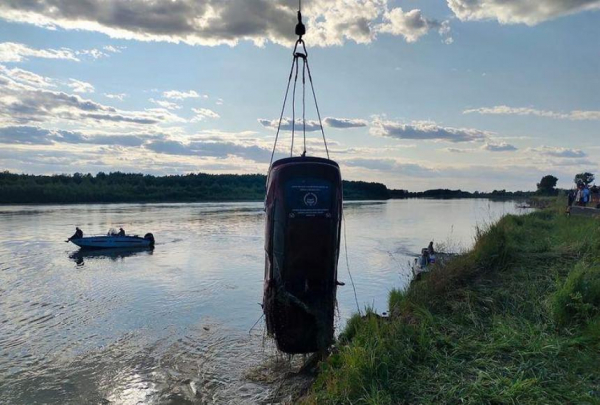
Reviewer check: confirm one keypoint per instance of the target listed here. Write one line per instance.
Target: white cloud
(218, 149)
(584, 115)
(118, 96)
(92, 53)
(313, 125)
(95, 53)
(28, 135)
(181, 95)
(456, 150)
(16, 52)
(425, 130)
(286, 124)
(560, 152)
(390, 165)
(576, 115)
(411, 25)
(204, 113)
(528, 12)
(27, 77)
(114, 49)
(13, 52)
(165, 104)
(344, 122)
(24, 104)
(206, 145)
(215, 22)
(80, 87)
(499, 147)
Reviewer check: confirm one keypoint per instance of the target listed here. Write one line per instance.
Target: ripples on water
(171, 325)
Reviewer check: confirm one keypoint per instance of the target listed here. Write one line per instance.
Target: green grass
(515, 320)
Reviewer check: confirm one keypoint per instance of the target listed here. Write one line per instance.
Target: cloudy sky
(471, 94)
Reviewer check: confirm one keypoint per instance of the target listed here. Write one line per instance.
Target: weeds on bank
(515, 320)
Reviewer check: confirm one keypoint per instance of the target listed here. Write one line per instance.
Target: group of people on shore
(584, 195)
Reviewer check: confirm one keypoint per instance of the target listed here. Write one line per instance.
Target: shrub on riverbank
(578, 300)
(515, 320)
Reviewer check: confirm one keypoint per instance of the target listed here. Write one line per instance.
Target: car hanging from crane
(303, 208)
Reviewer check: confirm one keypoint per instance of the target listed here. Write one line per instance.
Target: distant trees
(449, 194)
(547, 185)
(136, 187)
(586, 178)
(360, 190)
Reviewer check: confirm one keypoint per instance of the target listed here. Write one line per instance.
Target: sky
(417, 94)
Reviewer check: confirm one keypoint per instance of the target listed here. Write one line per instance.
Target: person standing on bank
(585, 196)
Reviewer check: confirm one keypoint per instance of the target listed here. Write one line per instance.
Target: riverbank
(515, 320)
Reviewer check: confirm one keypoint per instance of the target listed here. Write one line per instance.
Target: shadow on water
(116, 254)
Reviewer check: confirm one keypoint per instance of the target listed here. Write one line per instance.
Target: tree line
(443, 193)
(118, 187)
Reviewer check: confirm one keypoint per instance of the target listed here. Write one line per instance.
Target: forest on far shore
(120, 187)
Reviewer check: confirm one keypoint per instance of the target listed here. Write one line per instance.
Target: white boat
(114, 241)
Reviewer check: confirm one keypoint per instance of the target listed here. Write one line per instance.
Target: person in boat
(121, 232)
(424, 257)
(78, 234)
(431, 251)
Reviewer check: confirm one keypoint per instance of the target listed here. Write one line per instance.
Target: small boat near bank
(427, 260)
(112, 240)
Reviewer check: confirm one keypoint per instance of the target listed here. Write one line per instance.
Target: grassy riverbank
(515, 320)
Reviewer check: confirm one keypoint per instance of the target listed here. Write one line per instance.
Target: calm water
(172, 325)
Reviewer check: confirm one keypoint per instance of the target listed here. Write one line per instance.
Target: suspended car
(304, 211)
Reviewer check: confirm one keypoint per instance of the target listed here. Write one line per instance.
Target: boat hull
(112, 242)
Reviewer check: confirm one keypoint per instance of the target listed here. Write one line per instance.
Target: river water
(172, 325)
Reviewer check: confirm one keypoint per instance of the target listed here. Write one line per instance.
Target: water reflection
(115, 254)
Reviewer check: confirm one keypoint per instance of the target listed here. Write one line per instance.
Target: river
(172, 325)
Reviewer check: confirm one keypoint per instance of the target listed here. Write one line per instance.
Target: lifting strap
(299, 53)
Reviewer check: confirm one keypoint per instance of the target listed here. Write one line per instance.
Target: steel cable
(317, 107)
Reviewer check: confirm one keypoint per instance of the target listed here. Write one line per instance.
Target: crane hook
(300, 28)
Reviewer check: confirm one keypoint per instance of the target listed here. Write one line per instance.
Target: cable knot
(300, 28)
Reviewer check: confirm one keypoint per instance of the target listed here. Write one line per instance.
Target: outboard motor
(150, 237)
(304, 212)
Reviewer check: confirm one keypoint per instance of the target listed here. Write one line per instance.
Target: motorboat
(113, 240)
(426, 262)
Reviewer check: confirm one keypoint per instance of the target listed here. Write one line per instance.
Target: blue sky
(471, 94)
